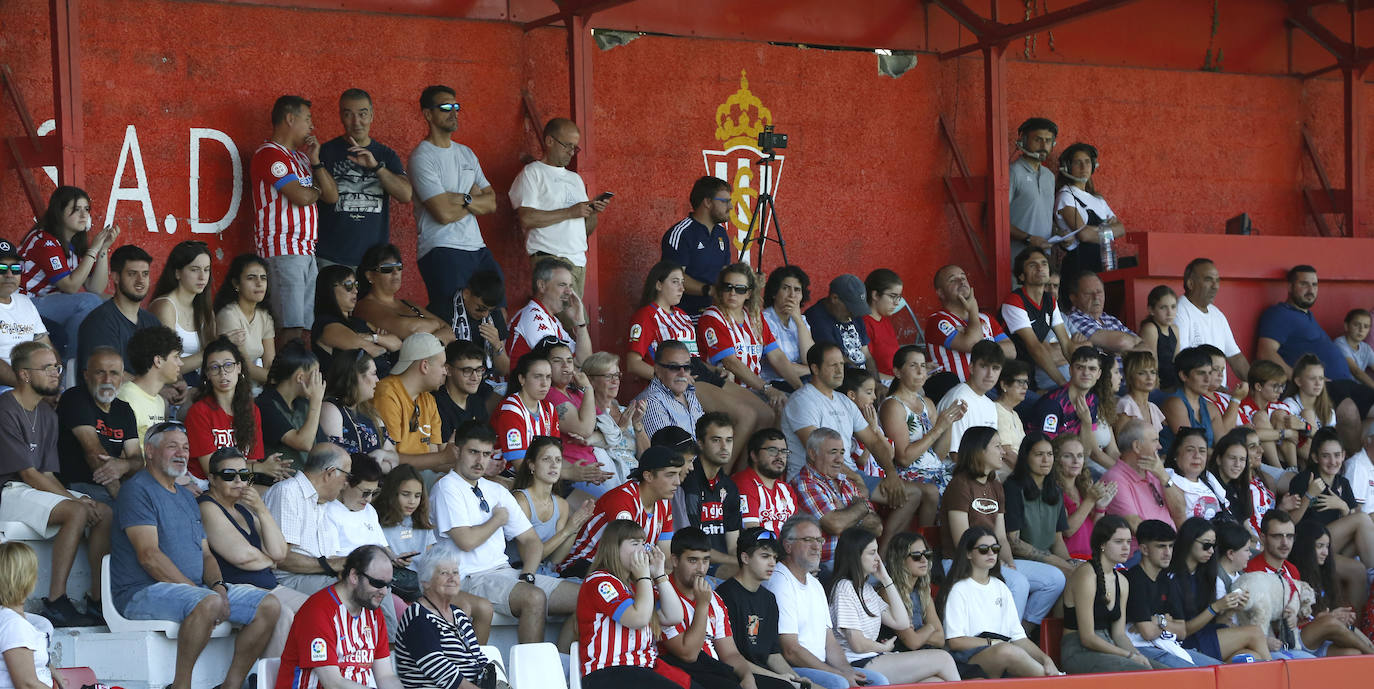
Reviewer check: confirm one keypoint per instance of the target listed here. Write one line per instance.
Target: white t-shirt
(1197, 328)
(802, 609)
(1359, 471)
(19, 322)
(454, 502)
(810, 407)
(1200, 500)
(1295, 407)
(1362, 355)
(25, 631)
(974, 608)
(1072, 197)
(544, 187)
(434, 171)
(354, 528)
(981, 412)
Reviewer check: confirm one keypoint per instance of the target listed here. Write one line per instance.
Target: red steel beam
(574, 8)
(1355, 110)
(999, 159)
(1001, 34)
(967, 18)
(581, 48)
(66, 72)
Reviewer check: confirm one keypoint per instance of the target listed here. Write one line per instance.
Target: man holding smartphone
(551, 203)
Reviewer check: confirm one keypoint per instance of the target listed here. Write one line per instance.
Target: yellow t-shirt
(397, 410)
(149, 410)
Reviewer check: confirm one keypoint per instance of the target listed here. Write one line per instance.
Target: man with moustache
(298, 506)
(1032, 186)
(161, 567)
(32, 494)
(452, 191)
(339, 638)
(700, 243)
(112, 324)
(1200, 321)
(97, 441)
(766, 498)
(369, 175)
(670, 399)
(553, 301)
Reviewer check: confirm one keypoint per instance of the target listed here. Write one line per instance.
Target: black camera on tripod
(769, 140)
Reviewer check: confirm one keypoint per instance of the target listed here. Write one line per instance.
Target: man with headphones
(1032, 186)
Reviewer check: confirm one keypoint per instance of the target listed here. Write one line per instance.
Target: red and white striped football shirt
(45, 262)
(621, 502)
(281, 228)
(516, 426)
(721, 337)
(605, 641)
(531, 324)
(717, 622)
(764, 506)
(652, 325)
(324, 634)
(942, 327)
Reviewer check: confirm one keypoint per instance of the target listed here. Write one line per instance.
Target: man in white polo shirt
(479, 516)
(551, 203)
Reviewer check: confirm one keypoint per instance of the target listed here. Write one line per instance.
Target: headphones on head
(1066, 157)
(1035, 124)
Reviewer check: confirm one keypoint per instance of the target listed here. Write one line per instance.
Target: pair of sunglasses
(985, 549)
(228, 475)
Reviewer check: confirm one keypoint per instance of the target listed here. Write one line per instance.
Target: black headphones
(1034, 124)
(1067, 156)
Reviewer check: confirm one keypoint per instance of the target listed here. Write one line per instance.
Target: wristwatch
(467, 199)
(379, 166)
(527, 577)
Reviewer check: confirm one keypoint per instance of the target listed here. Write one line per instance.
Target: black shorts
(1353, 390)
(701, 373)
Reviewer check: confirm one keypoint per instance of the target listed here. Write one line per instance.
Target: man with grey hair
(554, 305)
(161, 567)
(32, 494)
(297, 503)
(828, 493)
(97, 436)
(368, 175)
(1144, 488)
(804, 625)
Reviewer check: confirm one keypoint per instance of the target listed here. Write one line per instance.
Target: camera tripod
(765, 210)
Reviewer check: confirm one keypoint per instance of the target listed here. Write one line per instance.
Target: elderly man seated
(161, 567)
(1087, 318)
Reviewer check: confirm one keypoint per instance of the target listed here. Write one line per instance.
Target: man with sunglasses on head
(480, 516)
(753, 610)
(452, 191)
(462, 397)
(700, 243)
(670, 398)
(298, 506)
(368, 175)
(1144, 488)
(19, 319)
(161, 566)
(339, 638)
(32, 494)
(551, 203)
(405, 401)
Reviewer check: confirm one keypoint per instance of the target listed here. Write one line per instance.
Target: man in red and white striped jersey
(339, 637)
(287, 180)
(766, 499)
(948, 335)
(553, 298)
(643, 499)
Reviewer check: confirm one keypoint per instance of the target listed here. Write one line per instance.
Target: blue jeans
(830, 680)
(1037, 586)
(1170, 660)
(67, 311)
(174, 602)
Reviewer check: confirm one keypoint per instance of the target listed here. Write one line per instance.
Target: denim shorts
(174, 602)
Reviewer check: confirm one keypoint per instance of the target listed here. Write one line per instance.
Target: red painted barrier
(1321, 673)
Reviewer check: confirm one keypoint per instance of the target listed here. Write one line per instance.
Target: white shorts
(20, 502)
(496, 584)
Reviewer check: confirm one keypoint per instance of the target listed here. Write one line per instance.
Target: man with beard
(97, 441)
(339, 638)
(161, 567)
(1277, 531)
(700, 244)
(1200, 322)
(452, 191)
(1287, 330)
(670, 399)
(368, 175)
(112, 324)
(1032, 316)
(766, 499)
(33, 495)
(552, 298)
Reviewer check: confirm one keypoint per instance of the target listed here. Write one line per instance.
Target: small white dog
(1269, 598)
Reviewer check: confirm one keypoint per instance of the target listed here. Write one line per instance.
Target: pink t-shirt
(1136, 495)
(1079, 543)
(573, 449)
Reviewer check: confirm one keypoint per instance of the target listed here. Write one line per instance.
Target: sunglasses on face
(737, 289)
(349, 285)
(1207, 545)
(448, 107)
(920, 555)
(388, 268)
(678, 368)
(368, 494)
(376, 583)
(228, 475)
(985, 549)
(11, 269)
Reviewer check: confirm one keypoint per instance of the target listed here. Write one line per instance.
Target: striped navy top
(430, 652)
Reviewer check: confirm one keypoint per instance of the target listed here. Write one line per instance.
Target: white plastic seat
(536, 666)
(266, 671)
(120, 623)
(574, 667)
(18, 531)
(494, 655)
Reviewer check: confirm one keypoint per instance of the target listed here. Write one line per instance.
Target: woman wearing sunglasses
(381, 274)
(244, 538)
(1194, 569)
(241, 306)
(224, 415)
(181, 301)
(908, 559)
(337, 328)
(981, 624)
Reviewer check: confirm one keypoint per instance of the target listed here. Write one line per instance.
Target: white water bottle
(1108, 251)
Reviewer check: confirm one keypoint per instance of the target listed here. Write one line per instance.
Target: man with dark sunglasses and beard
(97, 437)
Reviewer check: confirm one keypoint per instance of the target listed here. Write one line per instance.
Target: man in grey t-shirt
(452, 191)
(1032, 186)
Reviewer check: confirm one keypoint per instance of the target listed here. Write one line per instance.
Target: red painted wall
(1182, 149)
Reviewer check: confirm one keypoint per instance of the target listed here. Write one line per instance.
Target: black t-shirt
(1149, 597)
(106, 326)
(361, 217)
(712, 506)
(277, 420)
(357, 325)
(753, 619)
(78, 408)
(451, 416)
(1339, 487)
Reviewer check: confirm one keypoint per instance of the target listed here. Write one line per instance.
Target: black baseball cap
(8, 251)
(655, 458)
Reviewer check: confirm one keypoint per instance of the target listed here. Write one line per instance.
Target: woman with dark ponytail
(1095, 605)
